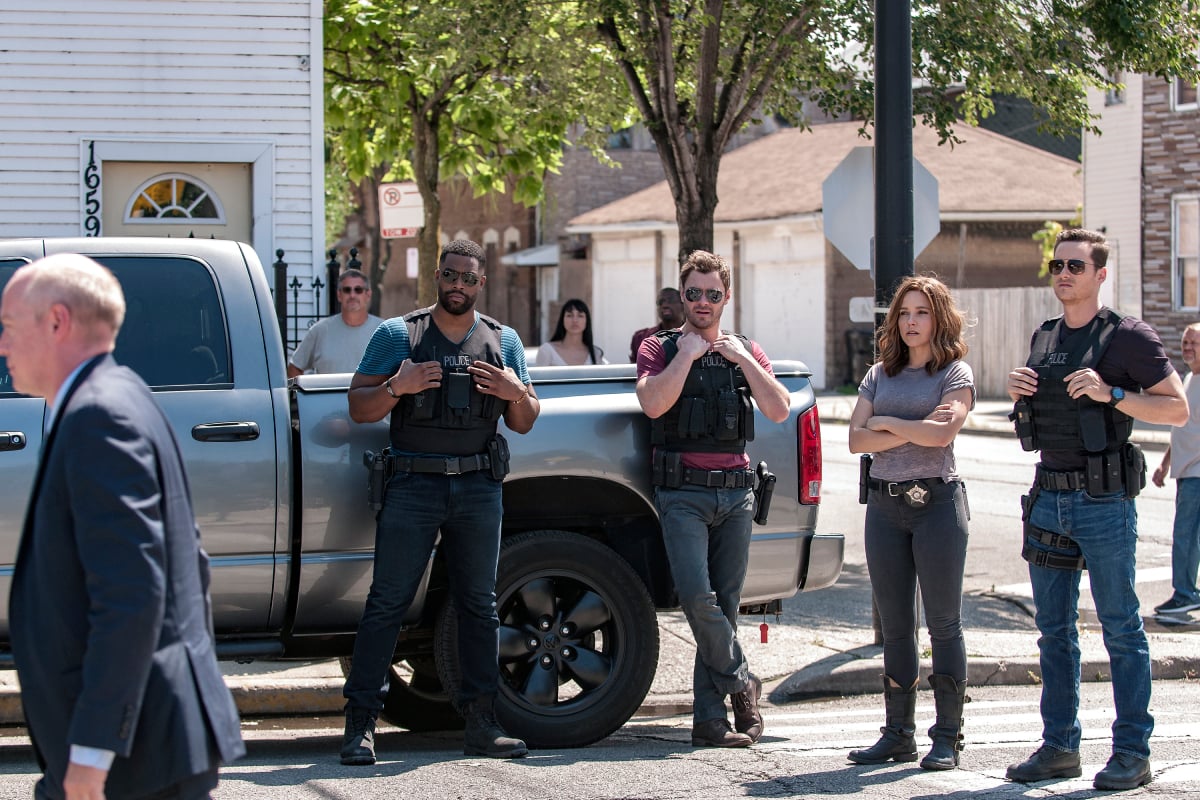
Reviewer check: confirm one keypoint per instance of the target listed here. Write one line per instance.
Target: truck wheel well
(601, 509)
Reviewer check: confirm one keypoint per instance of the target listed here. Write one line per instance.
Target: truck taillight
(808, 445)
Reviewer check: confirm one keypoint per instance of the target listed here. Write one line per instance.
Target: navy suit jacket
(110, 616)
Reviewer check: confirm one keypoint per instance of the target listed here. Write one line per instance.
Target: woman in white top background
(571, 344)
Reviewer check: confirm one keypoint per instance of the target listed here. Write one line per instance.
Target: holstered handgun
(763, 489)
(378, 471)
(498, 456)
(864, 475)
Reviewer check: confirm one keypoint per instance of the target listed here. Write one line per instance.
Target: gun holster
(379, 470)
(498, 456)
(763, 490)
(864, 477)
(666, 469)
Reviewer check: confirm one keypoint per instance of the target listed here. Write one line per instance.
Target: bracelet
(388, 386)
(522, 399)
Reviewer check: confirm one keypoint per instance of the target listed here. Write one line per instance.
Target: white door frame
(259, 154)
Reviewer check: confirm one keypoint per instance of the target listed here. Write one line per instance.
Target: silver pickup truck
(279, 488)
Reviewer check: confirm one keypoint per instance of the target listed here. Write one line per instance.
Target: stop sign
(848, 198)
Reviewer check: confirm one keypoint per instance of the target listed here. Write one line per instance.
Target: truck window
(7, 267)
(175, 333)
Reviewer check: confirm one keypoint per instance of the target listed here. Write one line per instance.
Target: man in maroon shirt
(696, 386)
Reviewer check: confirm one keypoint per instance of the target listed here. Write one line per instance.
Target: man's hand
(692, 346)
(415, 377)
(501, 382)
(731, 348)
(84, 783)
(1022, 382)
(1087, 382)
(1160, 476)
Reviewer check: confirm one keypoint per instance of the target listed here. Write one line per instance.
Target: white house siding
(194, 80)
(1112, 189)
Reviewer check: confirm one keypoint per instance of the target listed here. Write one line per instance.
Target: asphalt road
(802, 754)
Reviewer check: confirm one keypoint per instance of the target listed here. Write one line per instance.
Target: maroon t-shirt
(1134, 360)
(652, 359)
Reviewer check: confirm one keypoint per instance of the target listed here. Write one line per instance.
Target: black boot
(358, 743)
(946, 733)
(897, 743)
(484, 736)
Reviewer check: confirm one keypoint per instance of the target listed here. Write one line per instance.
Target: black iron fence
(293, 324)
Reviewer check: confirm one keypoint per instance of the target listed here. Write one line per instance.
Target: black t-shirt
(1135, 360)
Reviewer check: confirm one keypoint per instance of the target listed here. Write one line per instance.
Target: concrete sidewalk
(821, 645)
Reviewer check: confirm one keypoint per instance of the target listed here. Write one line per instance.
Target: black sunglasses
(352, 289)
(1074, 264)
(468, 278)
(695, 293)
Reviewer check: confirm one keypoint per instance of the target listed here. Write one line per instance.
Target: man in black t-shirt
(1090, 374)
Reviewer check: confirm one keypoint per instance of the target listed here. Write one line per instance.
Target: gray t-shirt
(333, 346)
(912, 394)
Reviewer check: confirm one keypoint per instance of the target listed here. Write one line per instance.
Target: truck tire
(578, 640)
(416, 700)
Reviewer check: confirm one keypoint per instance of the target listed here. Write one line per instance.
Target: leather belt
(897, 488)
(453, 465)
(1066, 481)
(719, 478)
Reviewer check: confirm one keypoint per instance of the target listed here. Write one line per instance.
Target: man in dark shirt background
(670, 315)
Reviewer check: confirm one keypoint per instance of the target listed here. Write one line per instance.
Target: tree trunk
(696, 209)
(426, 162)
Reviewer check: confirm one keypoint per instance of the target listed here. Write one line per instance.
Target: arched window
(175, 197)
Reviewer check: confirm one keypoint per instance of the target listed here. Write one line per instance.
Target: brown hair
(948, 323)
(704, 262)
(1094, 238)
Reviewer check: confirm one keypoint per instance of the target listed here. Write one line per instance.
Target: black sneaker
(1176, 606)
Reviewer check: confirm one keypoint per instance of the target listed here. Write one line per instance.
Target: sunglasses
(352, 289)
(695, 293)
(1074, 264)
(452, 275)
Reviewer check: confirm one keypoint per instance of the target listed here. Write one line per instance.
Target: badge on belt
(916, 495)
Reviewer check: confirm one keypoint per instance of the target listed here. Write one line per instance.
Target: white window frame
(1177, 278)
(219, 219)
(1177, 106)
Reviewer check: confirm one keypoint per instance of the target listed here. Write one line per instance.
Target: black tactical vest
(713, 413)
(1059, 422)
(454, 419)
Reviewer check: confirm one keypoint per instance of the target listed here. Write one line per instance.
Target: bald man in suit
(109, 611)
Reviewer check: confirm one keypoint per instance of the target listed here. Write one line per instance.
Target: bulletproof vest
(1058, 421)
(713, 413)
(454, 418)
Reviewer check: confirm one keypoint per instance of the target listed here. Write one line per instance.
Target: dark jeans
(906, 546)
(707, 535)
(467, 509)
(1105, 528)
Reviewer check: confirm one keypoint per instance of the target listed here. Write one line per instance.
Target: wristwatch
(1118, 394)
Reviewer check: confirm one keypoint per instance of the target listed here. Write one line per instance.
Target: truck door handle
(12, 440)
(225, 432)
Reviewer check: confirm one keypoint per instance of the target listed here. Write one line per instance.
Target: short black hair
(464, 247)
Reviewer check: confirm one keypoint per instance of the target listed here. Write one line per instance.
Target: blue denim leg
(707, 536)
(1185, 540)
(1105, 528)
(471, 543)
(467, 509)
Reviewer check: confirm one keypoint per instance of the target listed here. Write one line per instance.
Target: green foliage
(1046, 237)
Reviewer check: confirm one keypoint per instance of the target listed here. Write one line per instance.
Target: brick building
(1142, 187)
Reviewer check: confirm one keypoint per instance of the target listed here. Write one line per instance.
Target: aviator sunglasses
(695, 293)
(1075, 265)
(468, 278)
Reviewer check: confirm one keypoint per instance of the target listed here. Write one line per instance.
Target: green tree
(486, 89)
(700, 70)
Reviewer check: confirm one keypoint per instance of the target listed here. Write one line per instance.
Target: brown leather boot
(717, 733)
(747, 718)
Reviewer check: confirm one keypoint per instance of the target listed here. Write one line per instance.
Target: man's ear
(59, 317)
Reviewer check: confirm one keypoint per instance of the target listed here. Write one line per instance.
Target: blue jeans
(1185, 540)
(467, 509)
(927, 545)
(707, 535)
(1105, 528)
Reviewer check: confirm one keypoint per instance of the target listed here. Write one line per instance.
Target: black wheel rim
(560, 643)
